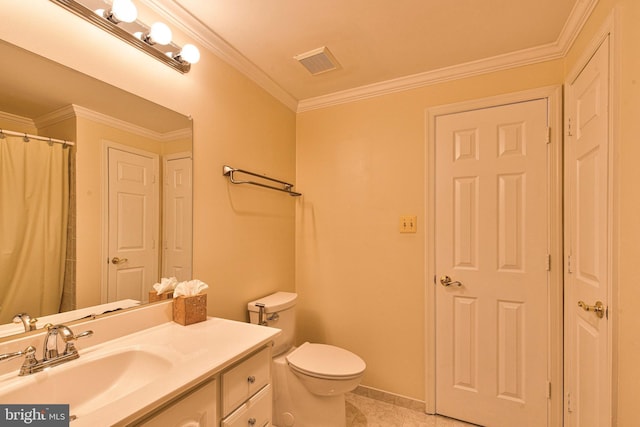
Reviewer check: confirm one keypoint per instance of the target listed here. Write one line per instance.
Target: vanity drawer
(242, 381)
(198, 408)
(256, 412)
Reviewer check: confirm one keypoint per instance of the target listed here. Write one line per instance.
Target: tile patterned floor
(364, 411)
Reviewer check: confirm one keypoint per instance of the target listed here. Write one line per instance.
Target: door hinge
(569, 130)
(548, 389)
(569, 403)
(548, 135)
(569, 266)
(548, 262)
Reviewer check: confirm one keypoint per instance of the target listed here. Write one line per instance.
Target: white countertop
(196, 352)
(214, 345)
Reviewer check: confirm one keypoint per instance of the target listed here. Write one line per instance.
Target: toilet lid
(326, 361)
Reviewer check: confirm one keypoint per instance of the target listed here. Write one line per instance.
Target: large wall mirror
(127, 214)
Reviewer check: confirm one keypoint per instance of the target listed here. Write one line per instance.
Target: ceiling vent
(318, 61)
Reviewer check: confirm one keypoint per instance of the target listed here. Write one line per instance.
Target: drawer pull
(251, 379)
(252, 421)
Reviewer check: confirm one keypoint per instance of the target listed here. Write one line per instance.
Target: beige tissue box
(188, 310)
(153, 296)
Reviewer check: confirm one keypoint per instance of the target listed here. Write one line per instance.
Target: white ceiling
(375, 41)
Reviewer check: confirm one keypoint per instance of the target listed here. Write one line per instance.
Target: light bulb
(160, 34)
(190, 53)
(124, 10)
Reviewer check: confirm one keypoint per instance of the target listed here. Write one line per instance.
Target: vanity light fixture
(119, 17)
(158, 33)
(121, 11)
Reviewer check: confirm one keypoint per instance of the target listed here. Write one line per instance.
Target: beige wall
(244, 237)
(362, 165)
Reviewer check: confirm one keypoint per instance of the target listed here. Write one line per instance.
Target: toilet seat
(326, 361)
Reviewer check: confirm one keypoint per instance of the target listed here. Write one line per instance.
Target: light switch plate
(408, 223)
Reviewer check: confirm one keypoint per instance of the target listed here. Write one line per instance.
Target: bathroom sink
(89, 382)
(136, 362)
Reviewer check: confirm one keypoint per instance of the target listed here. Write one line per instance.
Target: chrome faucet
(26, 320)
(50, 349)
(51, 356)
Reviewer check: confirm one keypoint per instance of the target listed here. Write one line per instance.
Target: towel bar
(286, 187)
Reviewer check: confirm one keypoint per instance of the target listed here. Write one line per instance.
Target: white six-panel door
(132, 224)
(587, 230)
(491, 225)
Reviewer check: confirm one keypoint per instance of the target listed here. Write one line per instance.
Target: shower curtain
(34, 203)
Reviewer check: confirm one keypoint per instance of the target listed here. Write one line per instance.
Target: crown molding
(204, 35)
(577, 18)
(196, 29)
(130, 127)
(55, 116)
(441, 75)
(18, 120)
(73, 111)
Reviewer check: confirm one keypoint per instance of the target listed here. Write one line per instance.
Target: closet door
(587, 231)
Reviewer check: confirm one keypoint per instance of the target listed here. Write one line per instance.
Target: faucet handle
(70, 341)
(29, 351)
(84, 334)
(30, 361)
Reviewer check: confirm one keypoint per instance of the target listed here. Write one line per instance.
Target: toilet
(309, 381)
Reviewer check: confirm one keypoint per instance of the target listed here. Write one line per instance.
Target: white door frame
(104, 220)
(608, 29)
(554, 96)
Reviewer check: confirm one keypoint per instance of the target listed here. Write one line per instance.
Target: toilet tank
(279, 312)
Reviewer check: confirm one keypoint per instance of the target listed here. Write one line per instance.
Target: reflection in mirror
(122, 206)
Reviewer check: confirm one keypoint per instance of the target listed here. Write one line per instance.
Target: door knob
(597, 308)
(116, 260)
(446, 281)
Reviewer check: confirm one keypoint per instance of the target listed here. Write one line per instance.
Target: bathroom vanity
(139, 368)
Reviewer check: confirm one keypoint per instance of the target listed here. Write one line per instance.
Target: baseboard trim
(394, 399)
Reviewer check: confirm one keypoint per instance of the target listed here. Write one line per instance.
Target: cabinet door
(197, 409)
(256, 412)
(242, 381)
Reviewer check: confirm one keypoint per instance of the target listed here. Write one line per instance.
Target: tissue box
(188, 310)
(153, 296)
